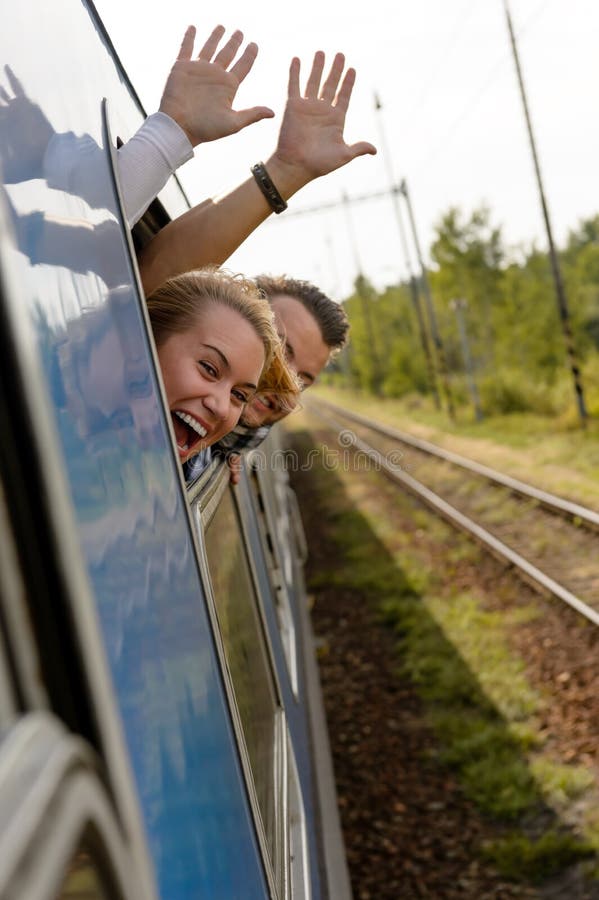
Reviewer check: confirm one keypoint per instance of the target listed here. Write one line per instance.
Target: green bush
(508, 391)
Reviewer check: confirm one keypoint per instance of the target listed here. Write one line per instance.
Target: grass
(457, 654)
(517, 856)
(558, 457)
(561, 783)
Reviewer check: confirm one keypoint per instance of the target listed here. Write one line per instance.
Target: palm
(200, 92)
(311, 136)
(203, 95)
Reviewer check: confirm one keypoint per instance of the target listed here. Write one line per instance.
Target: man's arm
(310, 144)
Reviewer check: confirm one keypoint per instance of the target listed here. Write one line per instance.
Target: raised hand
(200, 91)
(24, 132)
(310, 144)
(311, 137)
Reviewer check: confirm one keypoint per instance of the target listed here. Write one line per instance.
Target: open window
(261, 490)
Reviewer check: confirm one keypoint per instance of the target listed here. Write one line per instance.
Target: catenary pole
(459, 305)
(372, 350)
(430, 307)
(414, 292)
(560, 292)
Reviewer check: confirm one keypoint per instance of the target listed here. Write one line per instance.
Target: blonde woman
(217, 346)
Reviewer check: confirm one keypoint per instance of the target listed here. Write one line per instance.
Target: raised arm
(310, 144)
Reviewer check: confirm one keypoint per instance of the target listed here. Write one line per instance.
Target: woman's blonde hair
(176, 305)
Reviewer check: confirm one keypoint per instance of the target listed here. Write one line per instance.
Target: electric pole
(414, 292)
(372, 350)
(562, 302)
(459, 305)
(432, 318)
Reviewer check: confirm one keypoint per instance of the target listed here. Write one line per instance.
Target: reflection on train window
(83, 880)
(249, 666)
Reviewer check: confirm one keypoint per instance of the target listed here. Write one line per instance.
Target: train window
(275, 569)
(277, 517)
(249, 664)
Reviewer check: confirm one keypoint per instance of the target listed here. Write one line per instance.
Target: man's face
(307, 354)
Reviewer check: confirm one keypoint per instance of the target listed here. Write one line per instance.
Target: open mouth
(189, 433)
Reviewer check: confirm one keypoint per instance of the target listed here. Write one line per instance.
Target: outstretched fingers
(293, 89)
(186, 48)
(313, 84)
(14, 82)
(329, 88)
(245, 62)
(226, 56)
(209, 48)
(347, 86)
(361, 148)
(247, 117)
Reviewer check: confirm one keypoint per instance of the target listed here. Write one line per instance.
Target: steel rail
(533, 575)
(582, 514)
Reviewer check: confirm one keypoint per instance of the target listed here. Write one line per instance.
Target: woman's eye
(209, 368)
(239, 396)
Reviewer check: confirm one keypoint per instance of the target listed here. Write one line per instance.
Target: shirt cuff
(147, 161)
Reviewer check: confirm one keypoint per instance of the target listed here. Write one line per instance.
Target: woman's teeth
(193, 424)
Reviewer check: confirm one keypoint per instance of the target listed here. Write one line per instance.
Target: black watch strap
(265, 183)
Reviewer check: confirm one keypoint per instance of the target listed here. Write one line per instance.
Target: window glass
(93, 414)
(277, 516)
(248, 663)
(280, 593)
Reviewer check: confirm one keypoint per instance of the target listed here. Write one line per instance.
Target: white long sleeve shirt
(145, 163)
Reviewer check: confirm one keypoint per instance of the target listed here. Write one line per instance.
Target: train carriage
(162, 732)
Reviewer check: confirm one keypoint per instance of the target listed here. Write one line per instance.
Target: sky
(451, 122)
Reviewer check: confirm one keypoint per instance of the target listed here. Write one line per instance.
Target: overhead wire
(457, 30)
(452, 129)
(476, 98)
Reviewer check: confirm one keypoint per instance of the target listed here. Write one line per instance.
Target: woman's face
(210, 371)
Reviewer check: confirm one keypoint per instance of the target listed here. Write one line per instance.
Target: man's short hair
(330, 316)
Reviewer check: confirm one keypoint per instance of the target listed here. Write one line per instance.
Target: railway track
(549, 541)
